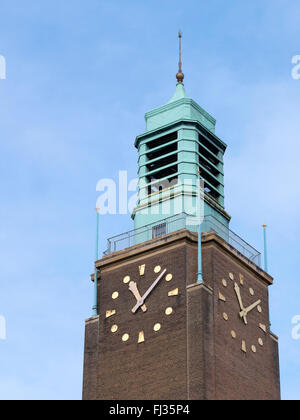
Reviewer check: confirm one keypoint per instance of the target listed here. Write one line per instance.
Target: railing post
(265, 248)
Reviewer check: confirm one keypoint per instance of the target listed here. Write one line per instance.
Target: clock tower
(182, 304)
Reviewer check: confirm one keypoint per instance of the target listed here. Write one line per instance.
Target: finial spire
(180, 75)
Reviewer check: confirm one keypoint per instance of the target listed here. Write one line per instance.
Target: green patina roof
(179, 93)
(179, 107)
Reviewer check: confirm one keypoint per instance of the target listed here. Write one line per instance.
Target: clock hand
(238, 293)
(133, 288)
(142, 300)
(251, 307)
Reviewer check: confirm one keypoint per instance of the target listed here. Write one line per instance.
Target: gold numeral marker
(244, 348)
(110, 313)
(263, 327)
(114, 328)
(221, 297)
(115, 295)
(169, 277)
(174, 292)
(141, 337)
(142, 269)
(241, 279)
(169, 311)
(126, 279)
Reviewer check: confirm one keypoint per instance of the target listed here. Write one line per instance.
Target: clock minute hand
(247, 310)
(142, 300)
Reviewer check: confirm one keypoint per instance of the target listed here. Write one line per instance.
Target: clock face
(147, 296)
(247, 308)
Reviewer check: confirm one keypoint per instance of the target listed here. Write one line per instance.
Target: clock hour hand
(142, 300)
(238, 294)
(133, 288)
(251, 307)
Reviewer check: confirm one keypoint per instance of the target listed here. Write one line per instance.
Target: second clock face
(247, 307)
(147, 294)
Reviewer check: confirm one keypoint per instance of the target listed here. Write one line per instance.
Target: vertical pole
(199, 274)
(265, 248)
(180, 63)
(97, 236)
(95, 307)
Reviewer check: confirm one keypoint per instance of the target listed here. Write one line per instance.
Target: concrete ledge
(202, 285)
(92, 320)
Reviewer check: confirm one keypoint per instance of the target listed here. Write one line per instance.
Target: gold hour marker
(253, 348)
(259, 309)
(110, 313)
(225, 316)
(231, 276)
(251, 291)
(260, 342)
(125, 337)
(263, 327)
(174, 292)
(233, 334)
(169, 311)
(224, 282)
(157, 269)
(169, 277)
(157, 327)
(141, 337)
(241, 279)
(114, 328)
(115, 295)
(142, 269)
(221, 297)
(244, 348)
(126, 279)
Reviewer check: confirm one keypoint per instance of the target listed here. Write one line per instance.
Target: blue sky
(80, 76)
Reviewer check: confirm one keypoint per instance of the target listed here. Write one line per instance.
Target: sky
(79, 78)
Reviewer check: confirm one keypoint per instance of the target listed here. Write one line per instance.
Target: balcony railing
(174, 223)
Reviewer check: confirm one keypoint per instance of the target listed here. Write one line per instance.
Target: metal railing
(181, 221)
(211, 223)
